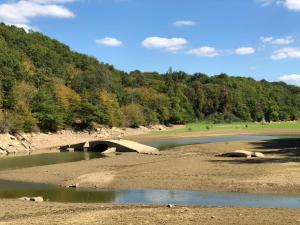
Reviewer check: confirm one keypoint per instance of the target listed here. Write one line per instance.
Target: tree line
(46, 86)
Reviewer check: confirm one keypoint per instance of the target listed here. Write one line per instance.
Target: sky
(256, 38)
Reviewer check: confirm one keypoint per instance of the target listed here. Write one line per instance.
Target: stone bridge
(103, 145)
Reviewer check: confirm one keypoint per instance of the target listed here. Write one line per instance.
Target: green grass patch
(192, 127)
(247, 126)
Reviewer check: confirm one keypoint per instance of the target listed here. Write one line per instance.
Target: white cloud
(167, 44)
(184, 23)
(245, 51)
(268, 2)
(285, 53)
(279, 41)
(110, 42)
(292, 4)
(289, 4)
(205, 51)
(290, 78)
(21, 12)
(26, 27)
(45, 2)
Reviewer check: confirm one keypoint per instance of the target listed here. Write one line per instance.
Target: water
(46, 159)
(172, 142)
(13, 189)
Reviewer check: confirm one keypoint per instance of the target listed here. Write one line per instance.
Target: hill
(46, 86)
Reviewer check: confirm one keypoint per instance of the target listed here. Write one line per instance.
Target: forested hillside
(46, 86)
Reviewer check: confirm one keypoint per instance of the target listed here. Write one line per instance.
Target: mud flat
(14, 212)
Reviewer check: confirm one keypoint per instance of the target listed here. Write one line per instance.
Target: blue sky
(257, 38)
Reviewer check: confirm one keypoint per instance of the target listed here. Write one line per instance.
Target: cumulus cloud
(292, 4)
(277, 41)
(110, 42)
(245, 51)
(289, 4)
(292, 78)
(285, 53)
(21, 12)
(166, 44)
(205, 51)
(184, 23)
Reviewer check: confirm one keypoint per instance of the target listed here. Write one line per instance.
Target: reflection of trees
(65, 195)
(12, 189)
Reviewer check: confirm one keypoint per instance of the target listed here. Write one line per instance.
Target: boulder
(238, 153)
(258, 155)
(32, 199)
(24, 199)
(37, 199)
(110, 151)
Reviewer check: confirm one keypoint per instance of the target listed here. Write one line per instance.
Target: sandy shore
(13, 212)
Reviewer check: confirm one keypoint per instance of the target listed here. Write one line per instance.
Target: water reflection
(46, 159)
(14, 189)
(172, 142)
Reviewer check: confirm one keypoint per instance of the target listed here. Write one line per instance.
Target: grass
(248, 126)
(202, 126)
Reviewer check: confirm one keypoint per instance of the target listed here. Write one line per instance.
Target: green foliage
(47, 111)
(44, 85)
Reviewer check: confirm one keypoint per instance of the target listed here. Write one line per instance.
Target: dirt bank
(192, 167)
(14, 212)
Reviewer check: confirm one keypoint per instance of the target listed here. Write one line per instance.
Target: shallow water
(13, 189)
(46, 159)
(172, 142)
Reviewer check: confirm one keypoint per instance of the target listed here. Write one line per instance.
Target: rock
(258, 155)
(32, 199)
(110, 151)
(24, 199)
(238, 153)
(170, 206)
(37, 199)
(72, 186)
(3, 152)
(212, 217)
